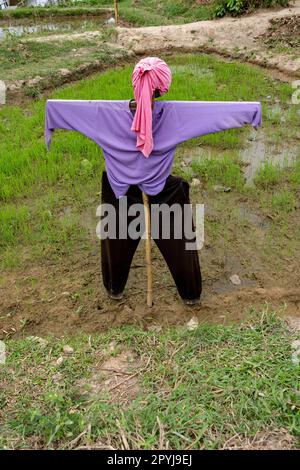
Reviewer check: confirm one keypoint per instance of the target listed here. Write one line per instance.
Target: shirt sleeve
(195, 119)
(93, 119)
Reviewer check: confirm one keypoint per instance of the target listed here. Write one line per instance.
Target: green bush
(238, 7)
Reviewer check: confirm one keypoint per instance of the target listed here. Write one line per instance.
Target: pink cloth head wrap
(149, 74)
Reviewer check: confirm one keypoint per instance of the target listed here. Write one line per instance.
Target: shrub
(238, 7)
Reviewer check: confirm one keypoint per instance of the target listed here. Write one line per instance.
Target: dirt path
(227, 36)
(239, 39)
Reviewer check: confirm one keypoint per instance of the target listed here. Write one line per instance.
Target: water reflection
(30, 3)
(41, 3)
(70, 25)
(259, 151)
(20, 30)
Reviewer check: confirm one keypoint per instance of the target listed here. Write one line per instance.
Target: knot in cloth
(150, 74)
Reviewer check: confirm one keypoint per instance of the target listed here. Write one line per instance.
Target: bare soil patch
(68, 295)
(280, 439)
(116, 376)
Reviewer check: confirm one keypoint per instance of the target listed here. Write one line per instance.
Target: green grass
(269, 175)
(21, 60)
(43, 12)
(224, 171)
(141, 12)
(44, 27)
(145, 13)
(295, 175)
(29, 175)
(284, 200)
(205, 387)
(155, 12)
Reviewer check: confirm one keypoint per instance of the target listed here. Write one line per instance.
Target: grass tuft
(205, 387)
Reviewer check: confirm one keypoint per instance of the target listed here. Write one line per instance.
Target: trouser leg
(116, 254)
(183, 264)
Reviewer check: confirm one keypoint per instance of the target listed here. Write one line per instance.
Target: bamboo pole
(116, 11)
(148, 250)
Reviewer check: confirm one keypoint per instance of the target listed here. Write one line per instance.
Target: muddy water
(257, 151)
(41, 3)
(63, 25)
(21, 30)
(34, 3)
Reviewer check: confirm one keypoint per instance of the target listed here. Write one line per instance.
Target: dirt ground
(61, 298)
(234, 37)
(251, 38)
(68, 296)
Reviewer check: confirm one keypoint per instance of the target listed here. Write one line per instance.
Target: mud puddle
(21, 29)
(67, 296)
(259, 151)
(256, 153)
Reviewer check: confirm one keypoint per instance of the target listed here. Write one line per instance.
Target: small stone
(57, 378)
(34, 81)
(65, 72)
(296, 352)
(68, 349)
(235, 280)
(111, 21)
(59, 361)
(86, 163)
(196, 182)
(79, 309)
(192, 324)
(222, 189)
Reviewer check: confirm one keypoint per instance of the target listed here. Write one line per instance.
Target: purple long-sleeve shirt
(108, 123)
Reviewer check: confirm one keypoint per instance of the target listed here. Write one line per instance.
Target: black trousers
(117, 254)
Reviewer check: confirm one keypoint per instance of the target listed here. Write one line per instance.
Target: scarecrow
(139, 138)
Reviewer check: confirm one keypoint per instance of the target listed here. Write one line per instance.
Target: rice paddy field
(84, 371)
